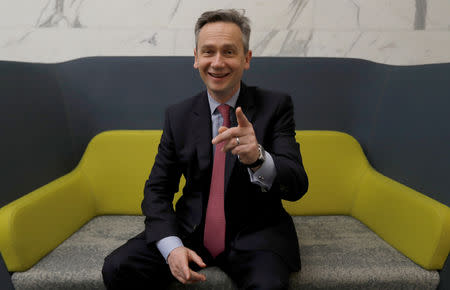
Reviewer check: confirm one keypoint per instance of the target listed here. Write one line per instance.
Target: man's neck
(223, 98)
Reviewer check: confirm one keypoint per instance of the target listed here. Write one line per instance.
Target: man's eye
(229, 52)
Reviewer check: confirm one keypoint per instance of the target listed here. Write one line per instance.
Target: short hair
(226, 15)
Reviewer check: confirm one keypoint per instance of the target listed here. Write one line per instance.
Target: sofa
(357, 229)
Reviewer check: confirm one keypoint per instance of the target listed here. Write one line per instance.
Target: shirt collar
(213, 104)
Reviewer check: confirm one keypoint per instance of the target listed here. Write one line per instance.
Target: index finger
(241, 118)
(197, 259)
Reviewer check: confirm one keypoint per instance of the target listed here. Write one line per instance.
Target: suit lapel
(247, 103)
(202, 130)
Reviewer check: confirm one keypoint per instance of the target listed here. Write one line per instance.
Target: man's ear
(195, 59)
(248, 57)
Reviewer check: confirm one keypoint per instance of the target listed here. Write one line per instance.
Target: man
(235, 146)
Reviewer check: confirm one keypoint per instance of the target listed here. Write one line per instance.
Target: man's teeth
(218, 75)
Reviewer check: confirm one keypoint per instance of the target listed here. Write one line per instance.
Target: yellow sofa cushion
(334, 163)
(38, 222)
(116, 165)
(413, 223)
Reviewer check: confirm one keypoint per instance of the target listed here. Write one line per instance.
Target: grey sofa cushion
(337, 252)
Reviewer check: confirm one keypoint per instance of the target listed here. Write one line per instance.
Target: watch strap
(260, 160)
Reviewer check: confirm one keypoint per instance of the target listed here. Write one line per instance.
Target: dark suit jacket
(255, 220)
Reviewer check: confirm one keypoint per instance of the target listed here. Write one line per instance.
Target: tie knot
(224, 110)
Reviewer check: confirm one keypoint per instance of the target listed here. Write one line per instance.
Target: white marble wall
(399, 32)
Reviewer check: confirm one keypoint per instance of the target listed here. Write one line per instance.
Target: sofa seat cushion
(336, 252)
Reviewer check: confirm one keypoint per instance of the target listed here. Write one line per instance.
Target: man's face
(220, 58)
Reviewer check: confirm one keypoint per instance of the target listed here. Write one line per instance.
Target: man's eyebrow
(206, 46)
(230, 46)
(225, 46)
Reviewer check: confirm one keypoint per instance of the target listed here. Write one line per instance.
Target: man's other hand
(178, 261)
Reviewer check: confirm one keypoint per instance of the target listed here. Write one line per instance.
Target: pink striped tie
(214, 238)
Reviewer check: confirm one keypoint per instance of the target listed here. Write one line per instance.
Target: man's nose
(217, 61)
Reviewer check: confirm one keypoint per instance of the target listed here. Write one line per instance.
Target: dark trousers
(135, 265)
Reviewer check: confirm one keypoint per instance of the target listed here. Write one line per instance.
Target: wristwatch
(261, 158)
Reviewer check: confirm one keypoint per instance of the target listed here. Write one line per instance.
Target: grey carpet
(337, 252)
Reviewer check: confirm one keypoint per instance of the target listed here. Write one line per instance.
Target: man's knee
(110, 270)
(259, 270)
(128, 269)
(267, 282)
(119, 273)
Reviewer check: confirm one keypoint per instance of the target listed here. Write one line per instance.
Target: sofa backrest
(334, 163)
(117, 163)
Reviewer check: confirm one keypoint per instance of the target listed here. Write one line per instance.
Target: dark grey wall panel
(52, 111)
(5, 277)
(132, 93)
(444, 274)
(35, 145)
(411, 140)
(123, 92)
(328, 94)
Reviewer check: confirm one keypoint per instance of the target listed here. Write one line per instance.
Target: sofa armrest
(35, 224)
(413, 223)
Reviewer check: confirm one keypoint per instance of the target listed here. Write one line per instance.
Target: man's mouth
(218, 75)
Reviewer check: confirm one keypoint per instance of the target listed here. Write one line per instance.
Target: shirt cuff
(168, 244)
(265, 175)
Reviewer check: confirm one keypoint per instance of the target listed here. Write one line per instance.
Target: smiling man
(235, 145)
(221, 59)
